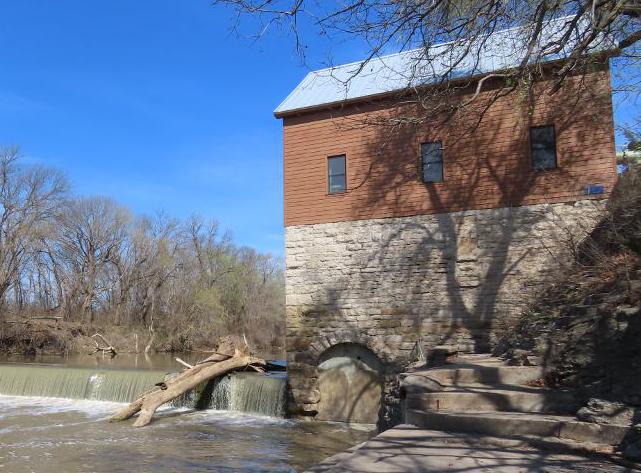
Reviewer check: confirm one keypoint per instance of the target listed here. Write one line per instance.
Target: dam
(54, 418)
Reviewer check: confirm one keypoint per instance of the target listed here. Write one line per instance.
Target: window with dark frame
(543, 147)
(336, 175)
(432, 161)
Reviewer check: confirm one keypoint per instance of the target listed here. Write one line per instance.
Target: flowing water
(53, 418)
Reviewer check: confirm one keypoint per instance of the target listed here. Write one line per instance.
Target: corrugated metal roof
(499, 51)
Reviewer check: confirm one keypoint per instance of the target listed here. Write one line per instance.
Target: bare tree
(210, 249)
(92, 232)
(28, 199)
(158, 246)
(573, 33)
(90, 260)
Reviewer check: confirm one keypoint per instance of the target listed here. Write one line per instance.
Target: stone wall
(386, 284)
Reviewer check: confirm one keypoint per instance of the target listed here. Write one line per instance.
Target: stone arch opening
(350, 382)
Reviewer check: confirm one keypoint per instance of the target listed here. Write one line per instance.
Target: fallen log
(108, 348)
(188, 379)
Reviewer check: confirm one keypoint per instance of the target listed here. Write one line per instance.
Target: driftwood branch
(184, 363)
(152, 337)
(47, 317)
(185, 381)
(107, 348)
(215, 357)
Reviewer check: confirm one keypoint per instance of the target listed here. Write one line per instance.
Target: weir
(250, 392)
(76, 383)
(241, 392)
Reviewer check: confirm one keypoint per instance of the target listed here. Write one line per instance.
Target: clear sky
(154, 103)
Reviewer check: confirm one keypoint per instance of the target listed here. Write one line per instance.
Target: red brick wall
(484, 169)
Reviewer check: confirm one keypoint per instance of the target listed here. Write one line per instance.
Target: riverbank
(50, 336)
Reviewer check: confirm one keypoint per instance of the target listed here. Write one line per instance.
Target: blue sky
(156, 104)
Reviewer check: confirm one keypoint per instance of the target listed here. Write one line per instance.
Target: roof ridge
(492, 55)
(435, 45)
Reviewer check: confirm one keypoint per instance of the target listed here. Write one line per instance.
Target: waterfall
(76, 383)
(250, 392)
(242, 392)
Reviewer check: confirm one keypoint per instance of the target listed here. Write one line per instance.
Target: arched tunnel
(350, 378)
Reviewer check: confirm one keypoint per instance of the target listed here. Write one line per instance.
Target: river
(54, 411)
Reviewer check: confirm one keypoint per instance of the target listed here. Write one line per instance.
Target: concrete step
(505, 424)
(477, 359)
(418, 385)
(492, 400)
(436, 379)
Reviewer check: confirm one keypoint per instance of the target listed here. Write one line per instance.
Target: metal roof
(500, 50)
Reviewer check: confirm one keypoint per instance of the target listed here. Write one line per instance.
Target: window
(543, 147)
(432, 161)
(336, 178)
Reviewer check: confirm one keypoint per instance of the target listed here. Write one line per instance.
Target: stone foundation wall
(386, 284)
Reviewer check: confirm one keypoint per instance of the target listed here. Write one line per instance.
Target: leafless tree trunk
(88, 259)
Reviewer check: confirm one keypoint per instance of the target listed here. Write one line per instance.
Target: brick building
(431, 233)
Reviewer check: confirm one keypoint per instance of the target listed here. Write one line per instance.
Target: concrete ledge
(483, 399)
(462, 375)
(407, 449)
(506, 424)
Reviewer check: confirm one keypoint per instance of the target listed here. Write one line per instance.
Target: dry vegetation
(72, 266)
(586, 327)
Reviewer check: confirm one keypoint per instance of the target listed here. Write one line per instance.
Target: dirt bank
(586, 328)
(52, 336)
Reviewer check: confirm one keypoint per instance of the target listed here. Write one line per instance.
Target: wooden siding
(488, 168)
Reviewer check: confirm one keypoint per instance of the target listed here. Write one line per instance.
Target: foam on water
(102, 410)
(39, 405)
(53, 435)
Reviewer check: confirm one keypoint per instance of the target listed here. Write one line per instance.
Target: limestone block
(306, 396)
(431, 277)
(303, 384)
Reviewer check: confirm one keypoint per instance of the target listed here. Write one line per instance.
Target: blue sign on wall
(594, 189)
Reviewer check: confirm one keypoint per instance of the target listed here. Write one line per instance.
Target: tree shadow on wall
(450, 273)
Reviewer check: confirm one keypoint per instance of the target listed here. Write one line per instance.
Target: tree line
(91, 260)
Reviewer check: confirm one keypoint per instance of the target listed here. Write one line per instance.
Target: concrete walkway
(408, 449)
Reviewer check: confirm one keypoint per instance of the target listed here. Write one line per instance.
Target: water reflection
(155, 361)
